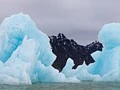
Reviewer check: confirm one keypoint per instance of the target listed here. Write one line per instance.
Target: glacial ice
(108, 61)
(26, 55)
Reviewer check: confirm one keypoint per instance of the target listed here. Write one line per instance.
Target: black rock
(65, 48)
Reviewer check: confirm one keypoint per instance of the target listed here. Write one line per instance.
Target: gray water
(65, 86)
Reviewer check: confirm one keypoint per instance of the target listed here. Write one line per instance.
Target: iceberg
(26, 56)
(25, 53)
(108, 61)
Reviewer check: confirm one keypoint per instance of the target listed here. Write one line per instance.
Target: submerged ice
(26, 56)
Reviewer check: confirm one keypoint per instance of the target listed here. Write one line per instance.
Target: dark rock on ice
(65, 48)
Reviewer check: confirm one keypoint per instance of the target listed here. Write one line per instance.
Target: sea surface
(65, 86)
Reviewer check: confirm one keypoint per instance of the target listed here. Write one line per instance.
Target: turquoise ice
(26, 55)
(108, 61)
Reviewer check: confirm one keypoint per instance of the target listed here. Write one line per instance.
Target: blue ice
(108, 61)
(26, 55)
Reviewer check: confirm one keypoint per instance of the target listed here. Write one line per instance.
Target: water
(65, 86)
